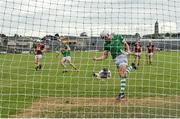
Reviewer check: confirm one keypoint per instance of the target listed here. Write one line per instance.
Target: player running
(137, 52)
(116, 45)
(149, 51)
(38, 51)
(65, 50)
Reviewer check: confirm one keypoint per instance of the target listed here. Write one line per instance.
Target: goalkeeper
(116, 44)
(103, 74)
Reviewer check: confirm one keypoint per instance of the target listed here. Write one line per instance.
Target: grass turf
(21, 85)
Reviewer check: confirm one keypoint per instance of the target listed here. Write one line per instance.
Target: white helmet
(104, 34)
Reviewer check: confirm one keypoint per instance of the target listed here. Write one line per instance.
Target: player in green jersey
(65, 50)
(119, 49)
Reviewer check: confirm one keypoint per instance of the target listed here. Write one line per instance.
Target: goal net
(49, 48)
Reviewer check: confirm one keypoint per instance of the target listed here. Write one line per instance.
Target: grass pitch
(152, 90)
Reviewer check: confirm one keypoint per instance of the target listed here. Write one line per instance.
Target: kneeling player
(103, 74)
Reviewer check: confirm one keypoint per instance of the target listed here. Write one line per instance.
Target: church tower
(156, 29)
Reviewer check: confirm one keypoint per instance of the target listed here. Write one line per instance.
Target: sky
(71, 17)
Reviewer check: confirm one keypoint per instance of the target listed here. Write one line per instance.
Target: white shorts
(38, 57)
(150, 54)
(121, 60)
(68, 58)
(137, 54)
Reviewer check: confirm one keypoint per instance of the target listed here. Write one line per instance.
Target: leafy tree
(2, 35)
(137, 35)
(57, 35)
(16, 35)
(167, 35)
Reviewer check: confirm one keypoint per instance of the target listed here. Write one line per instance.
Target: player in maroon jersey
(149, 51)
(137, 52)
(38, 51)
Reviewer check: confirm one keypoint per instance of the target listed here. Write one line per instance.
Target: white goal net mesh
(55, 87)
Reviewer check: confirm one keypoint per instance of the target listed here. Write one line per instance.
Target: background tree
(167, 35)
(137, 35)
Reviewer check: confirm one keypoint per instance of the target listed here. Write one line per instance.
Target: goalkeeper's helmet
(104, 34)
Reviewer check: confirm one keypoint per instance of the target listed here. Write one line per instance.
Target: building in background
(156, 30)
(17, 44)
